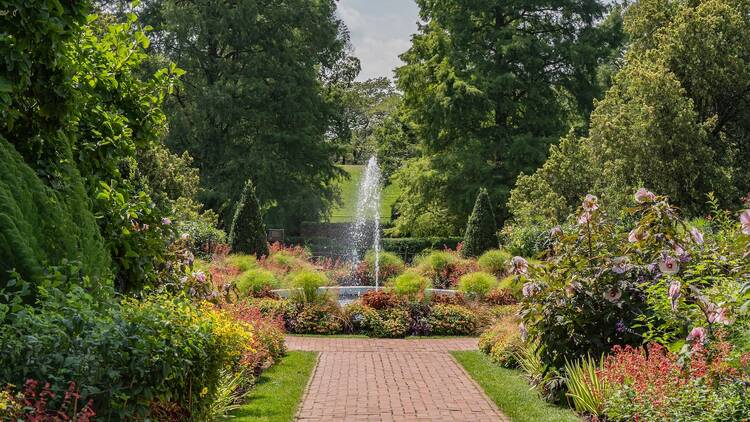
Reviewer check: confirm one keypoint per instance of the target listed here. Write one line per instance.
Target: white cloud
(380, 32)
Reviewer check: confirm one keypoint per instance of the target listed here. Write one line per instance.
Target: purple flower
(745, 221)
(674, 293)
(519, 265)
(166, 221)
(620, 326)
(669, 265)
(696, 235)
(644, 195)
(523, 331)
(200, 276)
(590, 203)
(613, 294)
(697, 335)
(620, 265)
(530, 289)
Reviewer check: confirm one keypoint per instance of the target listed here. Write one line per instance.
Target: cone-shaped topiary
(481, 232)
(248, 234)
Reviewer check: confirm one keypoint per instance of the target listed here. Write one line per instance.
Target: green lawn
(510, 391)
(349, 190)
(279, 390)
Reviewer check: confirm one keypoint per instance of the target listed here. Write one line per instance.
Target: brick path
(391, 380)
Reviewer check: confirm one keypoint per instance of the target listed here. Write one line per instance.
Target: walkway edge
(307, 386)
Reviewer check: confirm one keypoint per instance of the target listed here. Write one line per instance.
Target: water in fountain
(366, 228)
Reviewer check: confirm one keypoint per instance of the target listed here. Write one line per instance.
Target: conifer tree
(248, 233)
(481, 231)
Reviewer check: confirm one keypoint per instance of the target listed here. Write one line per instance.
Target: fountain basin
(348, 294)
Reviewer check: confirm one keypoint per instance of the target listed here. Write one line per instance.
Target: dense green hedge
(405, 247)
(40, 226)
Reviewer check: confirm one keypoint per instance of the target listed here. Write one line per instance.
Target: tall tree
(255, 102)
(676, 120)
(490, 85)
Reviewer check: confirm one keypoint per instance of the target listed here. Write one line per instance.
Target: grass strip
(510, 391)
(278, 392)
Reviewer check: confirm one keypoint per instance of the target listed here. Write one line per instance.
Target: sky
(380, 31)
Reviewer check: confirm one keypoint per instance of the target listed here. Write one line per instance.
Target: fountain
(365, 231)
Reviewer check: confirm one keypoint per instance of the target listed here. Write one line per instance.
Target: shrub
(318, 318)
(410, 286)
(307, 284)
(525, 239)
(257, 282)
(444, 268)
(499, 296)
(248, 233)
(452, 320)
(267, 345)
(390, 265)
(495, 262)
(481, 230)
(407, 247)
(275, 308)
(476, 285)
(448, 299)
(379, 299)
(502, 342)
(242, 262)
(384, 323)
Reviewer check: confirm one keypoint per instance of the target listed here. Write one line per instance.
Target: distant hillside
(349, 189)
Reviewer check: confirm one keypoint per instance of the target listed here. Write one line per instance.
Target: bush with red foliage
(500, 297)
(35, 405)
(448, 299)
(268, 336)
(380, 299)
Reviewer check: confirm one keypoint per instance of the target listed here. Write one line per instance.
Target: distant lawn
(278, 392)
(510, 391)
(349, 193)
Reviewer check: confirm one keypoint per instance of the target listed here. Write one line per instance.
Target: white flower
(696, 235)
(669, 265)
(590, 203)
(620, 264)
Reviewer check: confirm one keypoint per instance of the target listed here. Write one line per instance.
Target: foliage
(256, 282)
(379, 299)
(123, 357)
(499, 296)
(33, 404)
(585, 386)
(502, 342)
(390, 264)
(242, 262)
(408, 247)
(237, 124)
(248, 234)
(391, 322)
(476, 285)
(655, 384)
(452, 320)
(318, 318)
(411, 286)
(529, 240)
(679, 100)
(495, 262)
(481, 229)
(444, 268)
(458, 73)
(307, 284)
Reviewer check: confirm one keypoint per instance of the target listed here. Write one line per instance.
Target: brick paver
(391, 380)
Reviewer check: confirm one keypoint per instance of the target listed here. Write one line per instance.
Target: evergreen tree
(248, 233)
(481, 231)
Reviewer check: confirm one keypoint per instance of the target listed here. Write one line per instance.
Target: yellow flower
(204, 391)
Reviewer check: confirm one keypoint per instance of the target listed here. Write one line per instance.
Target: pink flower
(200, 276)
(573, 287)
(613, 294)
(637, 235)
(584, 218)
(669, 265)
(644, 195)
(745, 221)
(519, 265)
(185, 236)
(166, 221)
(620, 264)
(696, 235)
(697, 335)
(556, 231)
(674, 293)
(716, 314)
(590, 203)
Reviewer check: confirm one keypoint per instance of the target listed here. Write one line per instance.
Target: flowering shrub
(390, 322)
(267, 344)
(318, 318)
(654, 384)
(452, 320)
(502, 342)
(654, 279)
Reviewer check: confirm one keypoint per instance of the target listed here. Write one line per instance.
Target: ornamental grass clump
(475, 286)
(307, 284)
(495, 262)
(410, 286)
(257, 282)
